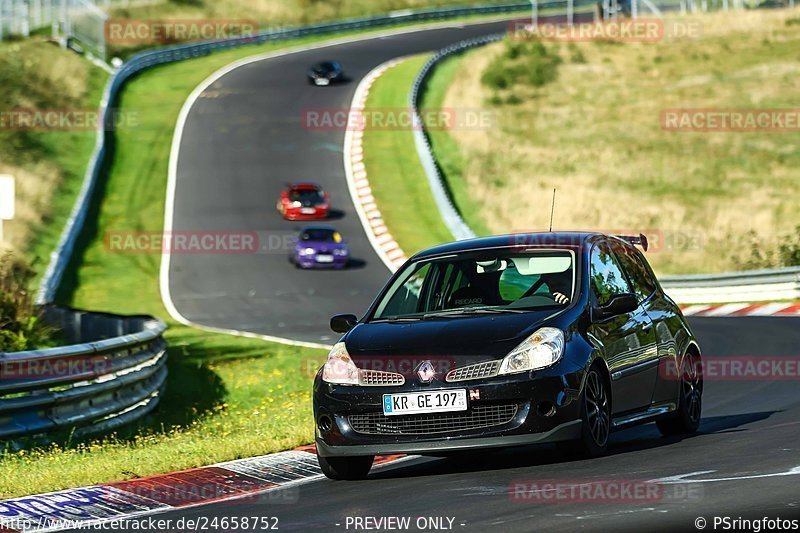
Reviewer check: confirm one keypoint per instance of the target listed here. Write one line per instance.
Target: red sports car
(304, 201)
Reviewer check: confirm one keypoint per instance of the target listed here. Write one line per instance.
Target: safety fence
(112, 372)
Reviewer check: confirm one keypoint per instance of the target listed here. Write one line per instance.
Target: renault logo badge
(426, 372)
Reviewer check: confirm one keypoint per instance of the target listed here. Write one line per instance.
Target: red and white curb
(269, 479)
(744, 309)
(358, 183)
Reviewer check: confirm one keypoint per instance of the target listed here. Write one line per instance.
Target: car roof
(560, 239)
(318, 227)
(304, 185)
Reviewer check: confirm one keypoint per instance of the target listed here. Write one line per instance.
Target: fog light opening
(324, 423)
(546, 409)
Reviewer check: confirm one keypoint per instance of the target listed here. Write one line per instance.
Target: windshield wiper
(396, 319)
(468, 311)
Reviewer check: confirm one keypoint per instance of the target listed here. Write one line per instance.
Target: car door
(660, 313)
(628, 339)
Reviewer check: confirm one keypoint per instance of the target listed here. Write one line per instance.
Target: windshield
(321, 235)
(325, 67)
(480, 282)
(306, 195)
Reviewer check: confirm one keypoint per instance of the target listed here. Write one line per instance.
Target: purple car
(320, 247)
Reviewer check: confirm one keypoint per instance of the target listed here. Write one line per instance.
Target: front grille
(378, 378)
(476, 371)
(479, 416)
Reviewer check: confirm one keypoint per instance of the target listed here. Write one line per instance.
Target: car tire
(595, 417)
(686, 419)
(346, 468)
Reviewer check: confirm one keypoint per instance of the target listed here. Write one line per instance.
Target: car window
(633, 264)
(321, 235)
(407, 293)
(481, 280)
(305, 195)
(606, 274)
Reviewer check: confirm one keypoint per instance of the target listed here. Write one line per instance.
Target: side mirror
(327, 195)
(619, 304)
(343, 323)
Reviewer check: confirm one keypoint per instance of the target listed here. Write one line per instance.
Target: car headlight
(340, 252)
(307, 251)
(542, 349)
(339, 368)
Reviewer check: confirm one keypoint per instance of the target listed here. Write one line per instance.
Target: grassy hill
(585, 118)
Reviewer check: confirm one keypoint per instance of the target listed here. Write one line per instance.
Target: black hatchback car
(507, 341)
(325, 72)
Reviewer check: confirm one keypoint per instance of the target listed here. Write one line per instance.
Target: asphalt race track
(748, 442)
(244, 139)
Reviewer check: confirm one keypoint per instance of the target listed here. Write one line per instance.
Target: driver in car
(558, 285)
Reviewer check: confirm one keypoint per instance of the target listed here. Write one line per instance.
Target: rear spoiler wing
(641, 240)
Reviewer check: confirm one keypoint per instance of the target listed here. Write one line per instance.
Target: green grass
(395, 173)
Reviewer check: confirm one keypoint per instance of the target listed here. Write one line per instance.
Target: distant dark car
(304, 201)
(320, 247)
(325, 73)
(507, 341)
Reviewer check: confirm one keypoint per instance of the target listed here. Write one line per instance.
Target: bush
(789, 249)
(762, 255)
(576, 55)
(20, 325)
(528, 63)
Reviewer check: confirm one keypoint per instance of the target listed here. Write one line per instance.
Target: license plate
(308, 210)
(324, 259)
(425, 402)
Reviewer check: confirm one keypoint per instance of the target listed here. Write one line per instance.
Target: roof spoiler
(641, 240)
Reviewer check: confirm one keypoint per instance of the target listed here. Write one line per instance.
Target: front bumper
(562, 432)
(295, 214)
(306, 261)
(547, 411)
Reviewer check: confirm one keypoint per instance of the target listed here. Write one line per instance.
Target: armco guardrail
(60, 257)
(114, 376)
(754, 286)
(447, 209)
